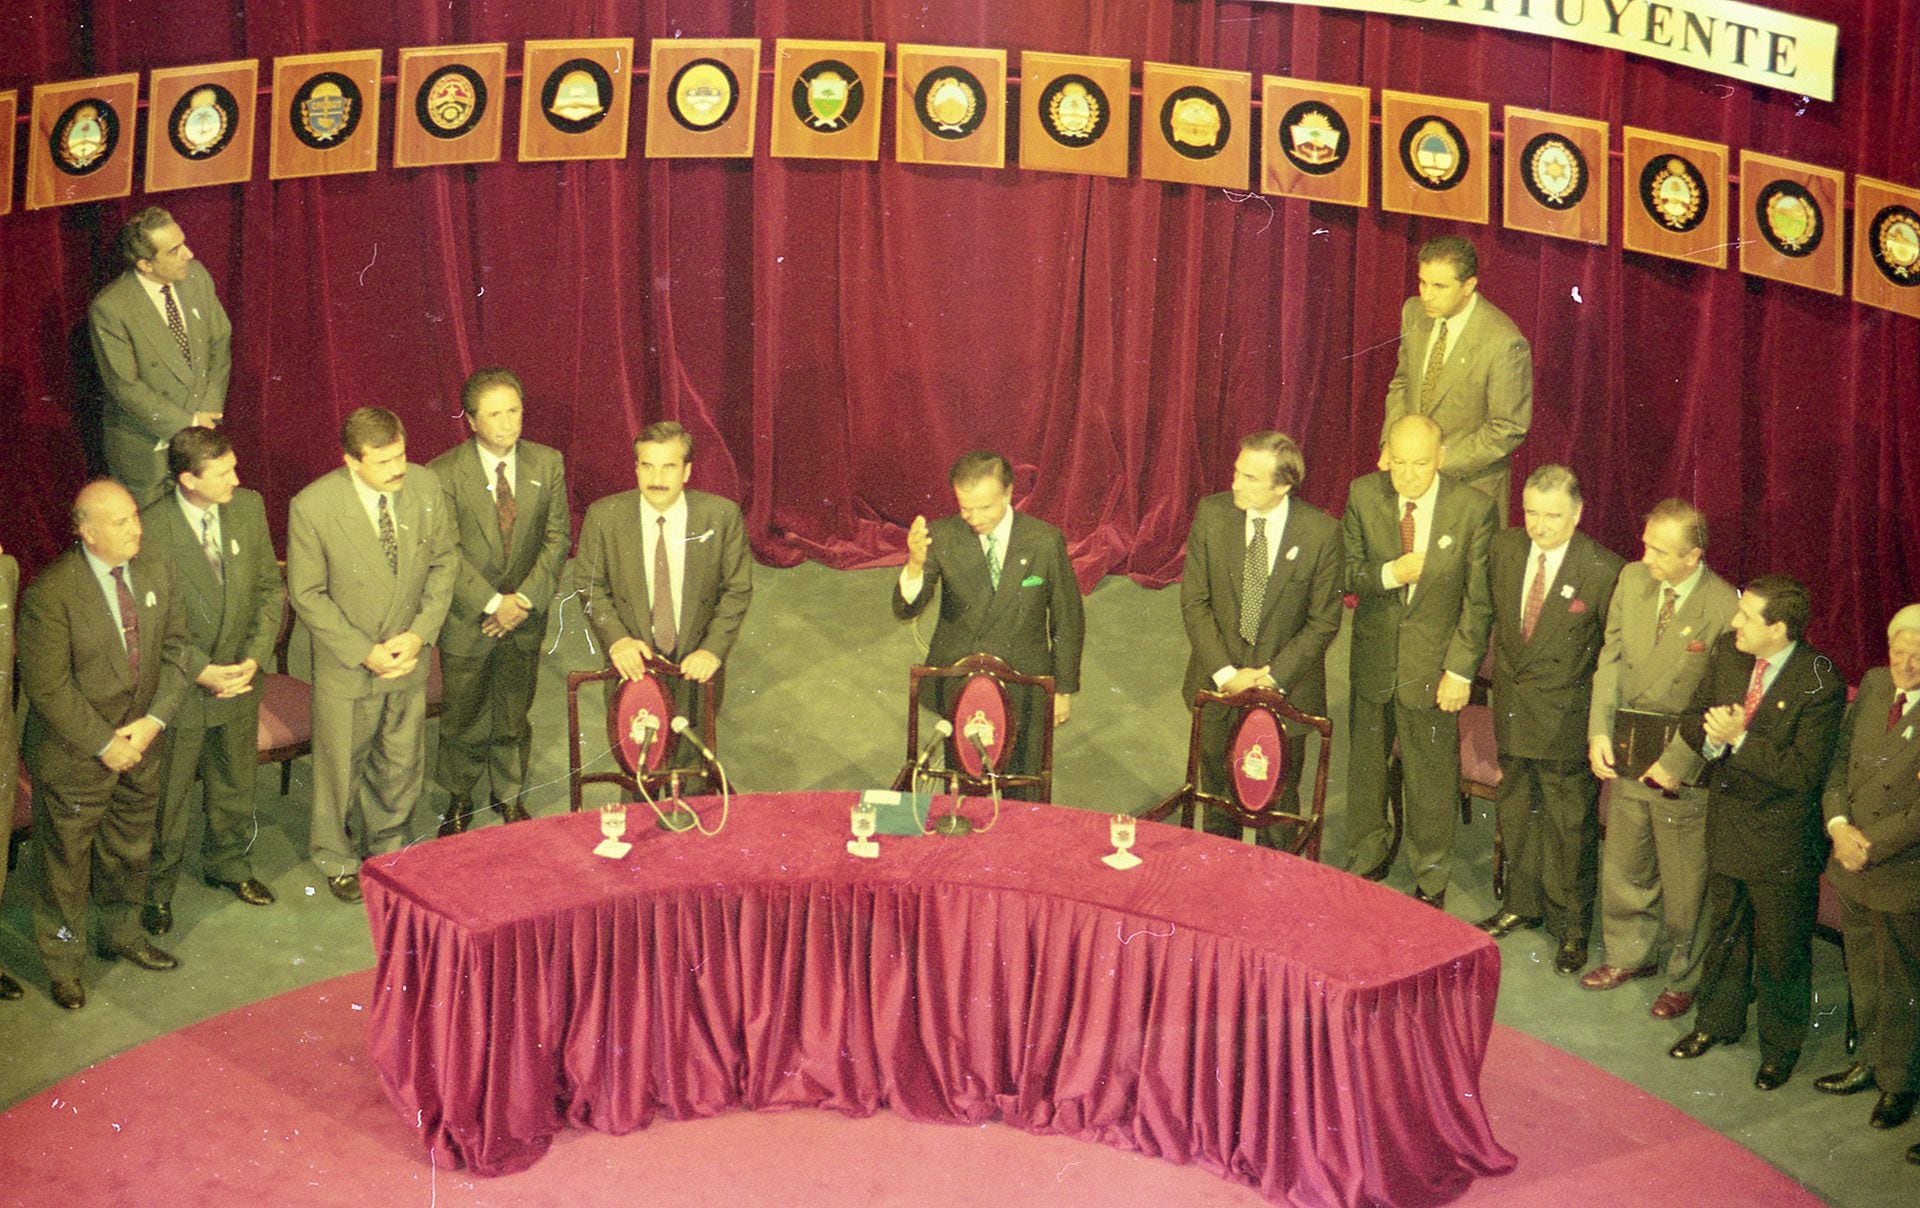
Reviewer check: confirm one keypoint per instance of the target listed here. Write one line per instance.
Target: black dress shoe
(1913, 1154)
(9, 988)
(1505, 922)
(1850, 1081)
(1772, 1076)
(250, 891)
(1436, 900)
(144, 955)
(455, 822)
(1691, 1045)
(346, 887)
(1892, 1110)
(1572, 956)
(511, 811)
(156, 918)
(69, 995)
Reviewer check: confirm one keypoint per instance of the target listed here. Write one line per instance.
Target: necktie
(211, 544)
(1536, 600)
(666, 634)
(1434, 364)
(1407, 531)
(175, 324)
(389, 541)
(993, 561)
(1899, 710)
(129, 621)
(503, 500)
(1667, 598)
(1754, 689)
(1253, 581)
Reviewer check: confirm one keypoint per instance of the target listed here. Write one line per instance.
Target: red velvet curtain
(834, 333)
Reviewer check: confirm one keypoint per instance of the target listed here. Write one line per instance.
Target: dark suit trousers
(1430, 763)
(1550, 837)
(1216, 730)
(1759, 933)
(223, 758)
(485, 700)
(1883, 974)
(93, 830)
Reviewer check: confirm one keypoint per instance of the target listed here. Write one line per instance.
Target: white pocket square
(1446, 540)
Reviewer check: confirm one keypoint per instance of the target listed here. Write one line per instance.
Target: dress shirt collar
(153, 289)
(1684, 587)
(1455, 325)
(1001, 534)
(676, 514)
(196, 514)
(490, 465)
(1276, 518)
(1423, 506)
(370, 500)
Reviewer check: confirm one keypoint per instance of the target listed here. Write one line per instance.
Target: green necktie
(993, 561)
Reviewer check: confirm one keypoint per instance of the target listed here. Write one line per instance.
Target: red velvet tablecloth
(1282, 1023)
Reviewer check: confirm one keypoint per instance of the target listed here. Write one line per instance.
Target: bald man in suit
(370, 569)
(103, 648)
(162, 343)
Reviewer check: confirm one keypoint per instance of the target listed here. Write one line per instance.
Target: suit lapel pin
(1907, 734)
(1293, 553)
(150, 600)
(1687, 632)
(533, 482)
(1779, 704)
(1446, 540)
(233, 546)
(1566, 591)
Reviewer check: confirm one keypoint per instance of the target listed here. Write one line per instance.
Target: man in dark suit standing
(1006, 588)
(1551, 588)
(103, 647)
(1768, 713)
(9, 733)
(162, 343)
(1872, 806)
(1465, 365)
(370, 567)
(508, 498)
(1260, 596)
(1416, 556)
(667, 570)
(213, 532)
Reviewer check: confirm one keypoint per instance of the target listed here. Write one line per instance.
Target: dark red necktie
(1407, 530)
(1536, 600)
(1899, 709)
(129, 621)
(503, 500)
(1755, 689)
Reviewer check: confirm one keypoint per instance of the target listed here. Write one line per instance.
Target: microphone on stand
(684, 729)
(942, 730)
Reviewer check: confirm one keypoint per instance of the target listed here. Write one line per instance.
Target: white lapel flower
(1293, 553)
(1446, 540)
(1566, 591)
(150, 600)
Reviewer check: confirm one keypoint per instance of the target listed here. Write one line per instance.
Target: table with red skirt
(1281, 1023)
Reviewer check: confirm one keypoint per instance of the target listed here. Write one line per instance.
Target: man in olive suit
(162, 343)
(508, 498)
(214, 533)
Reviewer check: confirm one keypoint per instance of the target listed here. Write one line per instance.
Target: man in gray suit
(1667, 611)
(9, 733)
(161, 341)
(1463, 363)
(1416, 553)
(508, 499)
(1872, 808)
(1260, 597)
(214, 534)
(103, 647)
(370, 568)
(667, 570)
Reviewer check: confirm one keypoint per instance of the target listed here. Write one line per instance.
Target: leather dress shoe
(1671, 1004)
(1913, 1154)
(511, 811)
(251, 891)
(346, 887)
(1850, 1081)
(156, 918)
(145, 955)
(455, 822)
(69, 995)
(9, 988)
(1436, 900)
(1377, 873)
(1609, 977)
(1692, 1045)
(1572, 956)
(1892, 1110)
(1503, 923)
(1772, 1076)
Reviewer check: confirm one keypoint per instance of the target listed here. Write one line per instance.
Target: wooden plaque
(826, 98)
(1194, 125)
(1555, 182)
(575, 98)
(1316, 140)
(200, 123)
(702, 97)
(951, 107)
(1674, 197)
(326, 114)
(80, 141)
(450, 105)
(1791, 221)
(1076, 113)
(1434, 156)
(9, 115)
(1886, 245)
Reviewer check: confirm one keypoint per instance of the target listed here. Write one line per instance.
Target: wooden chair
(22, 824)
(285, 731)
(981, 707)
(633, 705)
(1255, 754)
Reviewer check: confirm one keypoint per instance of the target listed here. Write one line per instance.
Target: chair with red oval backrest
(986, 722)
(639, 733)
(1256, 772)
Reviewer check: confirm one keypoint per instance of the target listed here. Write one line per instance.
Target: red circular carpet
(276, 1103)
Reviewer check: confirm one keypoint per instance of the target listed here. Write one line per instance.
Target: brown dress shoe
(1611, 977)
(1671, 1004)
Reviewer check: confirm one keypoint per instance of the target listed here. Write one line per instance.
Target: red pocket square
(1696, 646)
(1578, 606)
